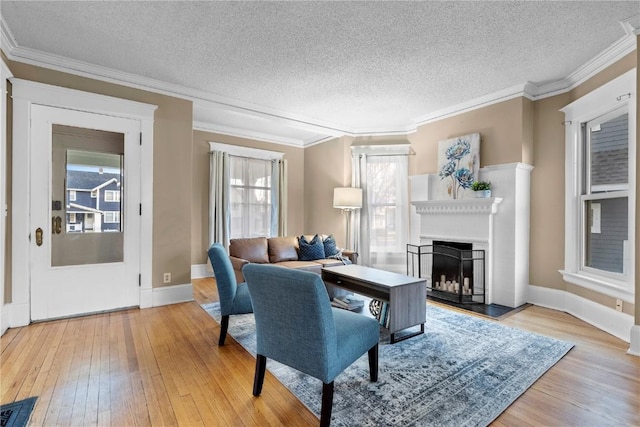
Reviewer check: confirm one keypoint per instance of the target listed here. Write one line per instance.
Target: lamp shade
(347, 198)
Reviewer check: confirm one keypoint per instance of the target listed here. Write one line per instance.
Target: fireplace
(498, 226)
(454, 270)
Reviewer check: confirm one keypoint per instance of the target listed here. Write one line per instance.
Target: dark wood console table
(406, 295)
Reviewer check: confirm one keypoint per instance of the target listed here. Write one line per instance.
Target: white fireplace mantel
(498, 225)
(462, 206)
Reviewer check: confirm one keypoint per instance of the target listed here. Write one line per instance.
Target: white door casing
(27, 96)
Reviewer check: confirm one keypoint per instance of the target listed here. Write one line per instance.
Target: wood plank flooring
(162, 367)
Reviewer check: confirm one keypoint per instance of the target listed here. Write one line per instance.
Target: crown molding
(7, 40)
(474, 104)
(604, 59)
(320, 131)
(204, 126)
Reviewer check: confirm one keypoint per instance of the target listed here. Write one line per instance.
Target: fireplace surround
(499, 226)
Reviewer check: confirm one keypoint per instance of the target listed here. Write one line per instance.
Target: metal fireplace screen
(454, 271)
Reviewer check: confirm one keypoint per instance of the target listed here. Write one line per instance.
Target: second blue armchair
(234, 297)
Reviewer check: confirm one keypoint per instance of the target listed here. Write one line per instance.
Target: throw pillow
(330, 247)
(310, 251)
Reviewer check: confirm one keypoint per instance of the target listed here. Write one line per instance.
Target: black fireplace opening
(454, 270)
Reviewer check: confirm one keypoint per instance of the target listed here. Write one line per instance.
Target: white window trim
(612, 95)
(240, 151)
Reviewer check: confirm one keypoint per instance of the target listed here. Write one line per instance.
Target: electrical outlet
(619, 304)
(167, 278)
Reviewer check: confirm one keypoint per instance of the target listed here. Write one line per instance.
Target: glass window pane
(250, 197)
(98, 176)
(606, 233)
(609, 153)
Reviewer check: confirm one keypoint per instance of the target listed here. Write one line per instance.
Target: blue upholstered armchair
(234, 297)
(296, 326)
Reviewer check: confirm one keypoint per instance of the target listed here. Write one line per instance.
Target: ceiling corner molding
(7, 40)
(604, 59)
(631, 25)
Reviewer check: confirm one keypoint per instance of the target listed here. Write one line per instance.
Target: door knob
(39, 236)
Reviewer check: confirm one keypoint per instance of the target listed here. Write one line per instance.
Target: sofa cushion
(310, 250)
(330, 246)
(283, 249)
(252, 249)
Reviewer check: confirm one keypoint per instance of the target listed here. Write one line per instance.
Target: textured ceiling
(348, 66)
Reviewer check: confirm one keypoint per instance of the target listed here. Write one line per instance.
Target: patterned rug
(464, 371)
(16, 414)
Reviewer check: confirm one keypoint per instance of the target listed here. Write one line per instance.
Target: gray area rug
(464, 371)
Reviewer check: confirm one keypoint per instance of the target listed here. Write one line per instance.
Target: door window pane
(87, 186)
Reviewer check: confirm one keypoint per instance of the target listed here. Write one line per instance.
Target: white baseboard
(198, 271)
(17, 315)
(634, 348)
(4, 318)
(607, 319)
(171, 294)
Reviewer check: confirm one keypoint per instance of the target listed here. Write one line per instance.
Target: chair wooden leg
(258, 379)
(373, 363)
(224, 325)
(327, 404)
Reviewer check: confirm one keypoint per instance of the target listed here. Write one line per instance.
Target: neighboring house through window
(600, 190)
(111, 217)
(111, 196)
(72, 195)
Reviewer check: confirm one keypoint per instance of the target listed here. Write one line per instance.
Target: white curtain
(219, 210)
(279, 198)
(381, 226)
(282, 201)
(360, 217)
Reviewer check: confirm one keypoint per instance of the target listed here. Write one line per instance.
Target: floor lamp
(348, 199)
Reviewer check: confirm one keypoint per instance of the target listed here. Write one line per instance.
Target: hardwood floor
(162, 366)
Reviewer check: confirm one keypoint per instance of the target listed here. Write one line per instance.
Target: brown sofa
(281, 251)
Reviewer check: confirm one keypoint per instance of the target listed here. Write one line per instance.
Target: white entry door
(84, 212)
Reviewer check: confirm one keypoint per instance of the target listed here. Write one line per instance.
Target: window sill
(614, 288)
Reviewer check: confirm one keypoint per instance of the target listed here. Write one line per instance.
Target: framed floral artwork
(458, 164)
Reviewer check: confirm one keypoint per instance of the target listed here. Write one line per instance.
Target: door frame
(5, 74)
(27, 93)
